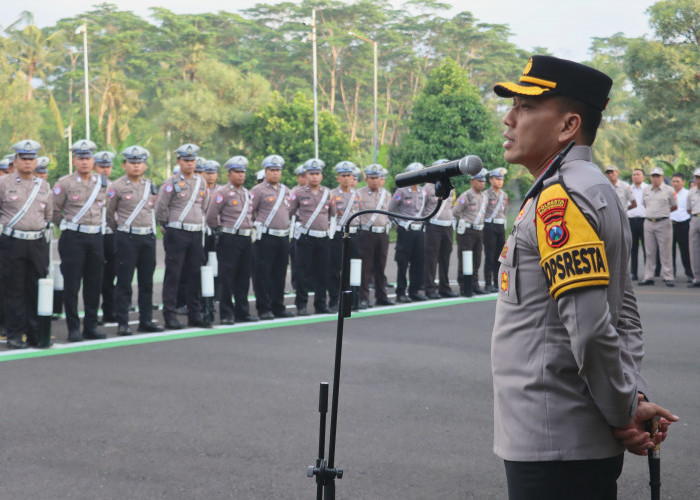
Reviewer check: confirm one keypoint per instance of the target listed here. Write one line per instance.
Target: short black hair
(679, 175)
(590, 117)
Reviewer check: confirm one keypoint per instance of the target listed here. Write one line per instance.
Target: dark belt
(657, 219)
(681, 221)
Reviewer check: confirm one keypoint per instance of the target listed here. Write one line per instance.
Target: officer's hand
(635, 436)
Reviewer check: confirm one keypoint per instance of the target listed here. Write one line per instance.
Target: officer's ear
(570, 129)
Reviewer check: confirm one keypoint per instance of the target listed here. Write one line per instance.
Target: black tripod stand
(325, 470)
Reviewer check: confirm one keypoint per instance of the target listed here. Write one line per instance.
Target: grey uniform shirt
(227, 205)
(70, 194)
(492, 203)
(14, 192)
(407, 202)
(469, 206)
(369, 200)
(624, 192)
(658, 201)
(303, 203)
(264, 199)
(123, 197)
(694, 201)
(567, 339)
(342, 201)
(445, 212)
(174, 196)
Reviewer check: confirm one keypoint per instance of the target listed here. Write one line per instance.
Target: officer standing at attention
(302, 181)
(470, 212)
(10, 163)
(311, 205)
(344, 203)
(438, 243)
(79, 200)
(103, 166)
(566, 404)
(410, 239)
(374, 237)
(681, 225)
(42, 167)
(4, 166)
(694, 232)
(659, 202)
(494, 227)
(182, 202)
(230, 214)
(623, 190)
(130, 215)
(271, 220)
(25, 214)
(636, 218)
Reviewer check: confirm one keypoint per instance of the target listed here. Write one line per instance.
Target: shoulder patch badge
(57, 189)
(168, 188)
(218, 199)
(571, 252)
(110, 193)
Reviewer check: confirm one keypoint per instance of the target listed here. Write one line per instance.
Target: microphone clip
(443, 187)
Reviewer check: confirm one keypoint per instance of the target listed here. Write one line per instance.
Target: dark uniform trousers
(680, 238)
(336, 262)
(494, 239)
(24, 263)
(271, 258)
(438, 247)
(234, 253)
(470, 240)
(313, 256)
(82, 258)
(109, 275)
(564, 480)
(183, 255)
(374, 248)
(293, 262)
(637, 230)
(409, 252)
(136, 252)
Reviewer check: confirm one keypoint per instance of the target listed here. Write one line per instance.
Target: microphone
(469, 165)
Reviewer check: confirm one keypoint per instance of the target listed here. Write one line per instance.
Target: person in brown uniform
(311, 205)
(79, 199)
(103, 166)
(374, 237)
(694, 231)
(130, 215)
(659, 202)
(26, 209)
(494, 227)
(410, 239)
(230, 215)
(182, 202)
(470, 211)
(302, 181)
(42, 167)
(271, 220)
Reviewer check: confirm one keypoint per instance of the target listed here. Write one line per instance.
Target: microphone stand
(325, 470)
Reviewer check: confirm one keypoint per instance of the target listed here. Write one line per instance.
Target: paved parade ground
(233, 413)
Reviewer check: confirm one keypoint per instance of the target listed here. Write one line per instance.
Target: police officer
(694, 231)
(438, 243)
(230, 214)
(42, 167)
(470, 212)
(26, 209)
(103, 166)
(311, 205)
(623, 190)
(494, 227)
(681, 225)
(302, 181)
(130, 215)
(211, 174)
(182, 202)
(344, 203)
(374, 237)
(79, 202)
(659, 202)
(4, 166)
(10, 163)
(410, 241)
(271, 218)
(636, 218)
(566, 344)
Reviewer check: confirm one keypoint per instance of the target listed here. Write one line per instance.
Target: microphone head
(470, 165)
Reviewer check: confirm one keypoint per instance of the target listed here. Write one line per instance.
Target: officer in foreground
(25, 213)
(79, 200)
(130, 215)
(566, 350)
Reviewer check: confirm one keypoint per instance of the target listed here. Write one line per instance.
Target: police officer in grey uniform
(26, 209)
(230, 215)
(182, 203)
(130, 214)
(410, 239)
(4, 166)
(374, 237)
(79, 209)
(42, 167)
(311, 205)
(271, 219)
(659, 202)
(494, 227)
(566, 404)
(302, 181)
(470, 212)
(103, 166)
(694, 231)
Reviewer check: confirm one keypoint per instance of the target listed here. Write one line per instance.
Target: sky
(565, 27)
